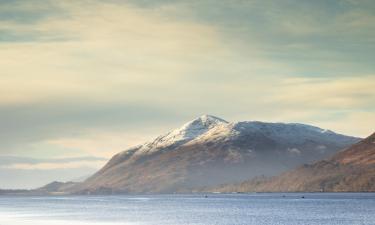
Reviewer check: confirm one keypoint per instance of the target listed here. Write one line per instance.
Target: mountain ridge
(349, 170)
(210, 151)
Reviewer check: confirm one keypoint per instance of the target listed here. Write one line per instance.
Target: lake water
(216, 209)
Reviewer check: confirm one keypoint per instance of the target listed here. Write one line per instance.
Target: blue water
(216, 209)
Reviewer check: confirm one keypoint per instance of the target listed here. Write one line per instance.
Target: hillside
(351, 170)
(211, 151)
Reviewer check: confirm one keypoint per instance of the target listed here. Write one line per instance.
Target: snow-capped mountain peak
(209, 151)
(185, 133)
(202, 123)
(207, 128)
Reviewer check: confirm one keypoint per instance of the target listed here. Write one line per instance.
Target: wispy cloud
(25, 172)
(90, 77)
(104, 144)
(328, 93)
(14, 162)
(132, 48)
(53, 166)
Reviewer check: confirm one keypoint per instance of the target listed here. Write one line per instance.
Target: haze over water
(218, 209)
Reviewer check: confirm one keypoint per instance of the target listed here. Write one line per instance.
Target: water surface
(216, 209)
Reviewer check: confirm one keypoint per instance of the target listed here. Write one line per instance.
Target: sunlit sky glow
(93, 77)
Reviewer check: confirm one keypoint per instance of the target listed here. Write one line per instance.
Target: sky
(81, 80)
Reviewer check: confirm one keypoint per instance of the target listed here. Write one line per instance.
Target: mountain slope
(56, 187)
(351, 170)
(211, 151)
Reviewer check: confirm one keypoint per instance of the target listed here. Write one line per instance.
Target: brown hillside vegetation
(351, 170)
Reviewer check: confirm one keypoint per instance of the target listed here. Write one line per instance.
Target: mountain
(350, 170)
(56, 187)
(211, 151)
(53, 188)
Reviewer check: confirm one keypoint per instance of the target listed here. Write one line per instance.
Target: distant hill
(351, 170)
(211, 151)
(53, 188)
(57, 187)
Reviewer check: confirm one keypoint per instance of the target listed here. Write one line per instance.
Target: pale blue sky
(95, 77)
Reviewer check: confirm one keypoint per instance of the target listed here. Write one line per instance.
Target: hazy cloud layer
(25, 172)
(94, 77)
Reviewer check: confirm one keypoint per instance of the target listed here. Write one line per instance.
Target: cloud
(360, 123)
(342, 93)
(340, 104)
(316, 38)
(53, 166)
(75, 76)
(132, 49)
(102, 144)
(26, 163)
(25, 172)
(32, 128)
(90, 77)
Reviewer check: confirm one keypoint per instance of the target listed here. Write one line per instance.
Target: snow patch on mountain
(290, 132)
(209, 128)
(187, 132)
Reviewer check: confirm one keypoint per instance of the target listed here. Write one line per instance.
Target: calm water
(249, 209)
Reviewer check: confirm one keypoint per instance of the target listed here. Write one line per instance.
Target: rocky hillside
(211, 151)
(351, 170)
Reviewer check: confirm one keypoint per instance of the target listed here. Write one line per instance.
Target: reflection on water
(218, 209)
